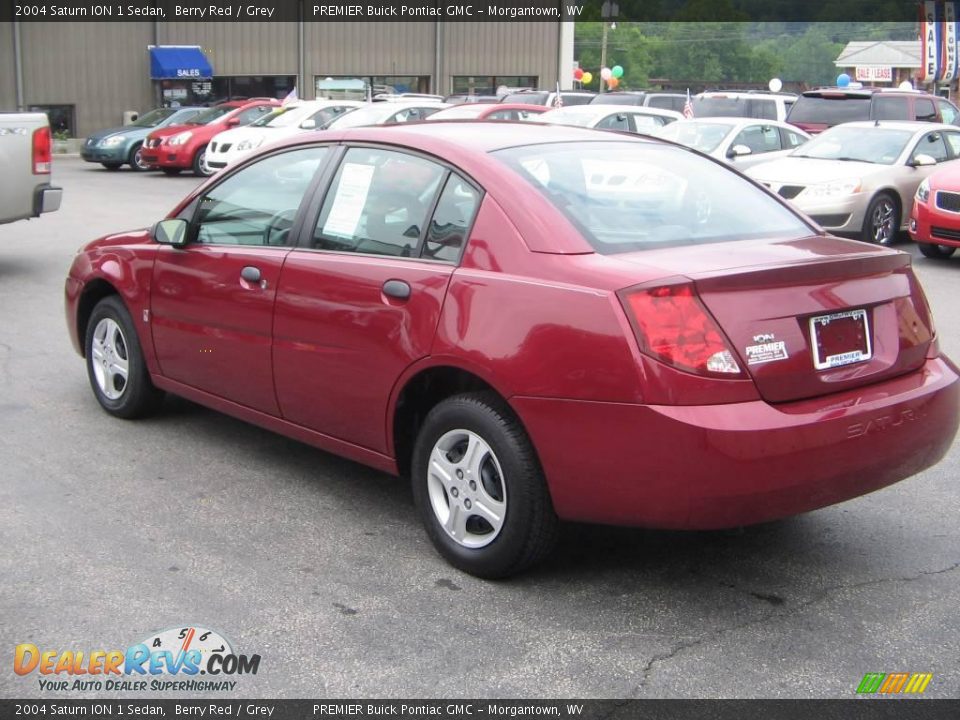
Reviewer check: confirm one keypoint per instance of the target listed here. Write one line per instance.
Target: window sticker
(351, 198)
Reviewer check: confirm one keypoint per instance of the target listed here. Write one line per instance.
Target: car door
(212, 300)
(360, 298)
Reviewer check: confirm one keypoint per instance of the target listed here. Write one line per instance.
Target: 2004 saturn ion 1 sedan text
(533, 323)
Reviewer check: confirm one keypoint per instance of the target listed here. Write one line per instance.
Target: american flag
(291, 97)
(558, 101)
(688, 107)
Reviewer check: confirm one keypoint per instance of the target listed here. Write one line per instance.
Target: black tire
(171, 171)
(529, 526)
(200, 168)
(112, 165)
(937, 252)
(135, 159)
(881, 224)
(137, 397)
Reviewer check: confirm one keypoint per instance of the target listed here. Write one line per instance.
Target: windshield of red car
(625, 197)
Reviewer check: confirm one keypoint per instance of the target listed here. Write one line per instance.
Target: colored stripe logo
(893, 683)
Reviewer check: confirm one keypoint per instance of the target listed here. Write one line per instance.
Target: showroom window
(360, 87)
(490, 84)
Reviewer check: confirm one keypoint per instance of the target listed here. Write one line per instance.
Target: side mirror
(308, 124)
(922, 160)
(739, 151)
(171, 232)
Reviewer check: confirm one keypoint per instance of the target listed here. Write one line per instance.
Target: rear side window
(447, 233)
(829, 111)
(924, 111)
(664, 102)
(378, 203)
(948, 112)
(625, 197)
(791, 139)
(765, 109)
(891, 108)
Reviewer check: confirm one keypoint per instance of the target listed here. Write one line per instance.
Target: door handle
(250, 274)
(396, 289)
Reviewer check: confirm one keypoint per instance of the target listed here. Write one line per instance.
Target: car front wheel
(115, 364)
(937, 252)
(136, 159)
(200, 167)
(882, 221)
(479, 488)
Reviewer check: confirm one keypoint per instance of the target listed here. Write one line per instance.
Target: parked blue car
(121, 145)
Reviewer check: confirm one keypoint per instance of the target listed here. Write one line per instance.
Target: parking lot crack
(793, 609)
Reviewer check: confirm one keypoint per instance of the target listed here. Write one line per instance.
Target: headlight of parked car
(923, 191)
(250, 144)
(112, 141)
(181, 138)
(834, 188)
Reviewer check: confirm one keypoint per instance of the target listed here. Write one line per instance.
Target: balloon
(587, 78)
(843, 80)
(617, 71)
(905, 85)
(612, 83)
(578, 74)
(775, 85)
(605, 73)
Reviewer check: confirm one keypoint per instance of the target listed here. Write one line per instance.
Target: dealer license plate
(840, 339)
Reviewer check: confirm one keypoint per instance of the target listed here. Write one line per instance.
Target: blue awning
(179, 62)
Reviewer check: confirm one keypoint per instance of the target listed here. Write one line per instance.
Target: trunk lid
(808, 317)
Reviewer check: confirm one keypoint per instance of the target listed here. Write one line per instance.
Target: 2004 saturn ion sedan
(533, 323)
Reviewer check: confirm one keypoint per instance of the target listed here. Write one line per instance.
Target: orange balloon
(612, 83)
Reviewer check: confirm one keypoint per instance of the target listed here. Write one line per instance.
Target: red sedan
(533, 323)
(183, 147)
(935, 218)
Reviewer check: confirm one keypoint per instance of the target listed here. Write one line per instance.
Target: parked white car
(231, 145)
(387, 113)
(629, 118)
(740, 142)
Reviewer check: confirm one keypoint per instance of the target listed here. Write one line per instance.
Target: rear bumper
(46, 199)
(841, 215)
(716, 466)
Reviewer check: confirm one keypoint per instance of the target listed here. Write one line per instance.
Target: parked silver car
(628, 118)
(741, 142)
(859, 178)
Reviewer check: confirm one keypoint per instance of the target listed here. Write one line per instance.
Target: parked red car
(531, 322)
(183, 147)
(935, 217)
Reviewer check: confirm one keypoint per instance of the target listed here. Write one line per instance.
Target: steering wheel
(278, 227)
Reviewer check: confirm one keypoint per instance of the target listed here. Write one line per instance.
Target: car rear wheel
(479, 488)
(200, 168)
(171, 171)
(112, 165)
(938, 252)
(136, 158)
(882, 221)
(115, 365)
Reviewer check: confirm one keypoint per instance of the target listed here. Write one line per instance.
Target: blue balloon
(843, 80)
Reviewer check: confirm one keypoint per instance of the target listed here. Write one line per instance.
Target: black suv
(817, 110)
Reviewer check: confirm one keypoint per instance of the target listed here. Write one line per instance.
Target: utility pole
(608, 11)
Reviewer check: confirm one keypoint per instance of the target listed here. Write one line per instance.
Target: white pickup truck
(25, 159)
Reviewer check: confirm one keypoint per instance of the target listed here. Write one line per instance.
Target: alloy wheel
(109, 359)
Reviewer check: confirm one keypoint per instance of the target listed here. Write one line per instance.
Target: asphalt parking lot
(112, 530)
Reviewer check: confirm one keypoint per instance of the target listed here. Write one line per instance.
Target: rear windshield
(625, 197)
(531, 98)
(829, 110)
(719, 107)
(616, 99)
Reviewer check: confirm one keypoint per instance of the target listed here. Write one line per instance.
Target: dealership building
(87, 75)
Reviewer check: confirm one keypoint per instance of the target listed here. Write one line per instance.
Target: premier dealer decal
(767, 349)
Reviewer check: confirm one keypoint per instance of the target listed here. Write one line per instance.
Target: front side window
(617, 121)
(257, 205)
(931, 144)
(924, 111)
(625, 196)
(254, 113)
(759, 138)
(378, 203)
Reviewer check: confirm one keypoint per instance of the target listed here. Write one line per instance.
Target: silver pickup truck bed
(25, 160)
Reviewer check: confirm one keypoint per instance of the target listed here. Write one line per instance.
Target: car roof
(915, 126)
(864, 92)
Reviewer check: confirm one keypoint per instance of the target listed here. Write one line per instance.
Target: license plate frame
(856, 321)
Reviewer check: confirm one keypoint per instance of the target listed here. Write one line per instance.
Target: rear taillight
(42, 151)
(674, 327)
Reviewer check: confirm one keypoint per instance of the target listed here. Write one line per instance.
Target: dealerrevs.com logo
(170, 660)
